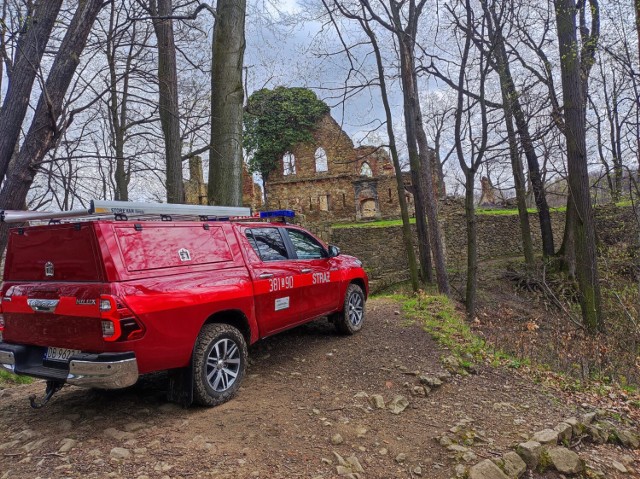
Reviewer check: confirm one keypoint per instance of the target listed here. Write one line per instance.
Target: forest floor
(304, 388)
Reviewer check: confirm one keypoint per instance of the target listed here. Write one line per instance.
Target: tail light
(118, 321)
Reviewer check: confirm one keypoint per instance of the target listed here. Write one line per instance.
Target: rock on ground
(530, 452)
(565, 461)
(398, 404)
(546, 437)
(120, 453)
(513, 465)
(486, 470)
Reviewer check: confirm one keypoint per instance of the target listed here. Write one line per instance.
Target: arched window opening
(365, 170)
(289, 164)
(322, 163)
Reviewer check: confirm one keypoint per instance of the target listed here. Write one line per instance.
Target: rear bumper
(106, 370)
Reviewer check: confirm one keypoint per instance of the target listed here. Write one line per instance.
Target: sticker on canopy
(184, 254)
(282, 303)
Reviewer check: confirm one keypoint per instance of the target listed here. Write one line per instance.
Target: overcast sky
(289, 55)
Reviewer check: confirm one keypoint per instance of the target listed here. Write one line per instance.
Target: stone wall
(382, 251)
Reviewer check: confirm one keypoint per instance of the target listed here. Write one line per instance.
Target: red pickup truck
(96, 303)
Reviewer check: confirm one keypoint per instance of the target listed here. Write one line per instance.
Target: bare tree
(45, 127)
(511, 104)
(407, 234)
(573, 93)
(22, 71)
(477, 144)
(402, 20)
(125, 48)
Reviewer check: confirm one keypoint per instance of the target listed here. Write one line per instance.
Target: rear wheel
(351, 319)
(219, 364)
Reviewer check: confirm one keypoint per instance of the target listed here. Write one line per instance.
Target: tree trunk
(435, 235)
(407, 235)
(118, 110)
(638, 96)
(415, 163)
(438, 169)
(567, 252)
(575, 131)
(44, 131)
(32, 42)
(472, 245)
(511, 100)
(168, 98)
(507, 88)
(227, 99)
(535, 176)
(638, 25)
(520, 187)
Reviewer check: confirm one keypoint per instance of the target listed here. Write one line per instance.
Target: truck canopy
(63, 252)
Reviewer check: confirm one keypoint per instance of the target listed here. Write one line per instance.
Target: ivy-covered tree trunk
(227, 98)
(575, 133)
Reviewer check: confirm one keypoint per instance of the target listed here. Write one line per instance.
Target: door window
(305, 246)
(267, 243)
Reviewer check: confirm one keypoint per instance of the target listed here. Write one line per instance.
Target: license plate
(60, 354)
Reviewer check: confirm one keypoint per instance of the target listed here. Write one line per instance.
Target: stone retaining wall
(382, 251)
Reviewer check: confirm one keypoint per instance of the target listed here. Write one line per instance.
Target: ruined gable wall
(337, 145)
(340, 193)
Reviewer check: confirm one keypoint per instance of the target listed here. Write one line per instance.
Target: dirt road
(304, 388)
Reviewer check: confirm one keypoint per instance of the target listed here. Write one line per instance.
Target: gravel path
(306, 397)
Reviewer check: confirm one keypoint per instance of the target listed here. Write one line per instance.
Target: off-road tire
(211, 335)
(354, 304)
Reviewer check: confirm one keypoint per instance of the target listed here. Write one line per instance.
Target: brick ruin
(325, 180)
(328, 179)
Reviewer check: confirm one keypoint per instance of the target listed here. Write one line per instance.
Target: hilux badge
(48, 269)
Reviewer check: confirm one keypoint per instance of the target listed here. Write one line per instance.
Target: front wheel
(351, 319)
(219, 364)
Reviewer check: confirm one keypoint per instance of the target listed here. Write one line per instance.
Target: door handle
(266, 275)
(306, 270)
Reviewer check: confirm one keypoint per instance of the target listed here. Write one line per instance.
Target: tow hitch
(52, 388)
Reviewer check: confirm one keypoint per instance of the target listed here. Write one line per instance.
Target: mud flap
(181, 386)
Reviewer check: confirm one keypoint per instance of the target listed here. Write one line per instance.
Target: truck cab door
(277, 299)
(319, 279)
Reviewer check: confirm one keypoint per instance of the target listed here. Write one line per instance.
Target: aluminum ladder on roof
(98, 209)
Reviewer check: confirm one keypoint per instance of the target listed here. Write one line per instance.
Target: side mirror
(333, 251)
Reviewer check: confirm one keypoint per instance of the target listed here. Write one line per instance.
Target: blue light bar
(277, 213)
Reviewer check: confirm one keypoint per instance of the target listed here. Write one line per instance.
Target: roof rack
(124, 210)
